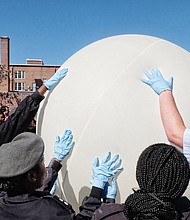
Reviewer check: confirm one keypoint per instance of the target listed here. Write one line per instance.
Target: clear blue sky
(55, 29)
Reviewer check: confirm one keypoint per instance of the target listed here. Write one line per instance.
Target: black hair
(4, 108)
(15, 185)
(162, 173)
(1, 112)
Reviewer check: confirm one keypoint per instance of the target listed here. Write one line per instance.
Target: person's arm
(62, 147)
(53, 81)
(42, 90)
(101, 174)
(19, 121)
(172, 121)
(51, 173)
(110, 191)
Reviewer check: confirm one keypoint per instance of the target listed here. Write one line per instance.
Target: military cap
(20, 155)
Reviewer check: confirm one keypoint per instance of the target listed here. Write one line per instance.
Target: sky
(54, 30)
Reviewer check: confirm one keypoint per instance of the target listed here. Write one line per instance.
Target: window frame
(19, 74)
(19, 86)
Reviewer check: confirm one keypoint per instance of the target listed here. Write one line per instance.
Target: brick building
(25, 78)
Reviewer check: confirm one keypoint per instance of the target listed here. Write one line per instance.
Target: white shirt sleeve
(186, 144)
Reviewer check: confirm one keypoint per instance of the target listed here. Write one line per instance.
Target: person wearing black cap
(20, 119)
(162, 173)
(22, 172)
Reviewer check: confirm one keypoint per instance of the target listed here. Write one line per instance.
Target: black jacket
(43, 206)
(19, 121)
(51, 174)
(114, 211)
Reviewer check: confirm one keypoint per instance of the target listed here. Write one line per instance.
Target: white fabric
(186, 144)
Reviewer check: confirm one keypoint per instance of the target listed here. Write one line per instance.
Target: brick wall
(4, 85)
(31, 73)
(5, 51)
(34, 70)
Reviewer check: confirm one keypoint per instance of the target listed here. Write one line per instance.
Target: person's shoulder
(57, 203)
(183, 205)
(112, 211)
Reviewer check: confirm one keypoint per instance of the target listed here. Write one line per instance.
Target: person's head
(162, 174)
(5, 110)
(2, 117)
(22, 164)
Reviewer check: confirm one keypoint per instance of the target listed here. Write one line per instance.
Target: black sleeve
(51, 174)
(90, 204)
(19, 121)
(63, 209)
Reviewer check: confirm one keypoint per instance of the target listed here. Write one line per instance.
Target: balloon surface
(107, 107)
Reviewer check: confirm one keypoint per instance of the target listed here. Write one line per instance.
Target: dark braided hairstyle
(162, 173)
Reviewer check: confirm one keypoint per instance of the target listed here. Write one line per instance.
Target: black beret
(20, 155)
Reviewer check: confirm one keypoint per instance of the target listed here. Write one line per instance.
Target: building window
(19, 74)
(19, 86)
(33, 86)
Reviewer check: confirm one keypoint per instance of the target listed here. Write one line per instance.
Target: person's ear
(32, 176)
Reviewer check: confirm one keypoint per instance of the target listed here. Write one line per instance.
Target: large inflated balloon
(104, 103)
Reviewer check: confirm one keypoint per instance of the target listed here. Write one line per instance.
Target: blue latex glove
(157, 82)
(105, 170)
(55, 79)
(53, 189)
(110, 191)
(63, 145)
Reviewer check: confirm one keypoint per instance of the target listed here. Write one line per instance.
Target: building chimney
(5, 52)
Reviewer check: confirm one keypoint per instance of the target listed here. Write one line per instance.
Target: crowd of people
(162, 171)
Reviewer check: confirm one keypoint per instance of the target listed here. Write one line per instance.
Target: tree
(7, 98)
(3, 73)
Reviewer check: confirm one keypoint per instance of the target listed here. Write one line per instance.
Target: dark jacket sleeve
(19, 121)
(60, 208)
(56, 208)
(90, 204)
(51, 174)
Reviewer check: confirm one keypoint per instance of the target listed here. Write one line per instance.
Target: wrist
(59, 157)
(96, 192)
(57, 160)
(47, 86)
(167, 91)
(109, 200)
(99, 184)
(55, 164)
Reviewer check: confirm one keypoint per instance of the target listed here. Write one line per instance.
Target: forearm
(50, 175)
(172, 121)
(42, 90)
(19, 121)
(90, 204)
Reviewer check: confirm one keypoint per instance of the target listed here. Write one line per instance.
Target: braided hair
(162, 173)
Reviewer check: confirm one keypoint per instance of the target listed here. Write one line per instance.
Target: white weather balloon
(104, 103)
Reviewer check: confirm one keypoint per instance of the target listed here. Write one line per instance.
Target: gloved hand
(110, 191)
(53, 189)
(63, 145)
(102, 172)
(55, 79)
(157, 82)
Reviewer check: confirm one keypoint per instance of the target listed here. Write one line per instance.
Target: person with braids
(162, 173)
